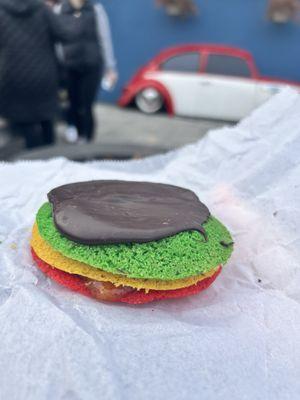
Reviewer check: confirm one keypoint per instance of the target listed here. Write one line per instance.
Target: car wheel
(149, 100)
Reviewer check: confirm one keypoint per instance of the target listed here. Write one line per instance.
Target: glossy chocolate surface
(113, 212)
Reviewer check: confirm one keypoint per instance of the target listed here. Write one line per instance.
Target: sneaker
(71, 134)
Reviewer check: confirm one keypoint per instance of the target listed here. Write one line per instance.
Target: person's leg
(47, 132)
(88, 90)
(73, 84)
(29, 132)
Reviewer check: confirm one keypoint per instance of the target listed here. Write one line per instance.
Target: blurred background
(136, 78)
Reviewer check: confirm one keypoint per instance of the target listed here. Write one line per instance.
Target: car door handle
(204, 83)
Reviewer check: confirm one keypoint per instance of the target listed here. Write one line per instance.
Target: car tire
(149, 100)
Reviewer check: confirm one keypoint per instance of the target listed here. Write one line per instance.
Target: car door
(226, 89)
(179, 74)
(266, 89)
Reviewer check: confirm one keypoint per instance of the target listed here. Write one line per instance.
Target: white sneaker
(71, 134)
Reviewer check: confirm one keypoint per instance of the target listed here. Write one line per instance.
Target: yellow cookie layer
(59, 261)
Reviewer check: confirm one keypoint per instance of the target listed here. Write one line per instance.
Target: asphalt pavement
(120, 133)
(116, 125)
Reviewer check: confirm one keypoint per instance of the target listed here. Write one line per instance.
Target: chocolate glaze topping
(111, 212)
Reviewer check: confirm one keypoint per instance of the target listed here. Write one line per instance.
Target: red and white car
(208, 81)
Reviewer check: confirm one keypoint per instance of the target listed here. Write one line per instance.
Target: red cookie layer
(77, 284)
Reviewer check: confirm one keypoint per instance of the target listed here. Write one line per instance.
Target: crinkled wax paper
(238, 340)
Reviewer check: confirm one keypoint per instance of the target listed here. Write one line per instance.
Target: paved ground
(120, 128)
(130, 126)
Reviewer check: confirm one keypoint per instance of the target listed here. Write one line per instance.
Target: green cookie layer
(177, 257)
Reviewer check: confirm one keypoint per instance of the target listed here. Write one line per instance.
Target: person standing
(28, 68)
(86, 60)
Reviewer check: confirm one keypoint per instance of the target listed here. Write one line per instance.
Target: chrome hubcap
(149, 101)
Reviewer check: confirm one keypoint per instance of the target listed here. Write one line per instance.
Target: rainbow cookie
(131, 242)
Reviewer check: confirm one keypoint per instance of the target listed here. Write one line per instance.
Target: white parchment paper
(238, 340)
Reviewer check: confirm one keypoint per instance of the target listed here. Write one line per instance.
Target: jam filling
(107, 291)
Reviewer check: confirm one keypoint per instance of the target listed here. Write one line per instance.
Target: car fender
(132, 90)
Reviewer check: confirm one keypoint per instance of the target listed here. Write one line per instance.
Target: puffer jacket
(86, 50)
(28, 66)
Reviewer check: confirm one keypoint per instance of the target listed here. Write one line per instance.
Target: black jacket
(28, 70)
(85, 50)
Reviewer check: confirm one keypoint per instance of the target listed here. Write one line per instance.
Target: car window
(227, 65)
(188, 62)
